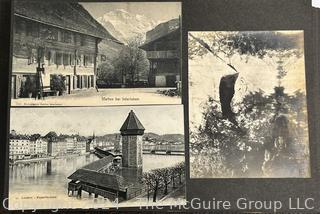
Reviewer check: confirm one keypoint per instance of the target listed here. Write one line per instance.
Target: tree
(165, 177)
(153, 181)
(132, 61)
(30, 87)
(261, 44)
(180, 169)
(108, 73)
(57, 83)
(224, 149)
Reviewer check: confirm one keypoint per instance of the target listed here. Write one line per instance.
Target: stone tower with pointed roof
(131, 134)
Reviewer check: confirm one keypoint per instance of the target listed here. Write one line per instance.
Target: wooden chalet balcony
(162, 54)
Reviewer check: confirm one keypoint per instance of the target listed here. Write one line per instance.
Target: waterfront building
(61, 43)
(81, 145)
(19, 147)
(163, 52)
(44, 147)
(71, 143)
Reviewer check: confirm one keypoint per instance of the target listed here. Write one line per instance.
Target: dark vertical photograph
(96, 54)
(103, 157)
(247, 105)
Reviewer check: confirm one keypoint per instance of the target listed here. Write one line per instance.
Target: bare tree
(165, 176)
(153, 181)
(180, 170)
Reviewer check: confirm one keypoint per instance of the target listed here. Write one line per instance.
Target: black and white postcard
(102, 157)
(96, 54)
(248, 110)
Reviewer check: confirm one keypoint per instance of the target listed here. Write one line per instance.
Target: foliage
(160, 178)
(131, 62)
(220, 148)
(30, 86)
(108, 73)
(247, 43)
(57, 83)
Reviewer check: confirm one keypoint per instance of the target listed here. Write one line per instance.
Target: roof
(19, 137)
(99, 164)
(100, 179)
(161, 31)
(132, 125)
(70, 16)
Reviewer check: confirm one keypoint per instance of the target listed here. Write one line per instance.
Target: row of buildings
(59, 42)
(26, 147)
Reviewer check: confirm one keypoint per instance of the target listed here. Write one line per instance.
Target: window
(83, 59)
(58, 59)
(52, 34)
(79, 58)
(32, 56)
(72, 59)
(59, 36)
(66, 59)
(67, 37)
(49, 57)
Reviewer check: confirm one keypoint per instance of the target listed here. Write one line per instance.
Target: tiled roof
(100, 179)
(99, 164)
(71, 16)
(132, 123)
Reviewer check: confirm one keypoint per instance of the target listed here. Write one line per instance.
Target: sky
(101, 120)
(316, 3)
(157, 11)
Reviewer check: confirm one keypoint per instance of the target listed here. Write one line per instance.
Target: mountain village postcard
(96, 54)
(248, 109)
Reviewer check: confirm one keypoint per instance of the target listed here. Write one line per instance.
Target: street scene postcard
(102, 157)
(96, 54)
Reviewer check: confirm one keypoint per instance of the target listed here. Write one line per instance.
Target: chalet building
(114, 176)
(61, 40)
(163, 52)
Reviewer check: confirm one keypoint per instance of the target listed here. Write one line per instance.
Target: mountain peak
(124, 25)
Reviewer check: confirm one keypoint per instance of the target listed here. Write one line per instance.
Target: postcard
(96, 54)
(248, 109)
(102, 157)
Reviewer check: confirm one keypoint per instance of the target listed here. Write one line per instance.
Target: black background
(214, 15)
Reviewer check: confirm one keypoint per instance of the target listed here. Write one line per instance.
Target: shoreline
(45, 158)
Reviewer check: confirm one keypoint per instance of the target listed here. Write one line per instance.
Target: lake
(43, 185)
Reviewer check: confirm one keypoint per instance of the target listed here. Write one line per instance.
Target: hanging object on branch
(226, 86)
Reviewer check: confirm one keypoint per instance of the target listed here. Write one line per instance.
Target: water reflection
(50, 178)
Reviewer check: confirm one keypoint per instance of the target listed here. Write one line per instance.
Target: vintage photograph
(98, 157)
(247, 105)
(96, 54)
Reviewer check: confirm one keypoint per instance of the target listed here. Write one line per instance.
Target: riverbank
(45, 158)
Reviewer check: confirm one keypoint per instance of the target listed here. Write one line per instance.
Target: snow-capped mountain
(124, 25)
